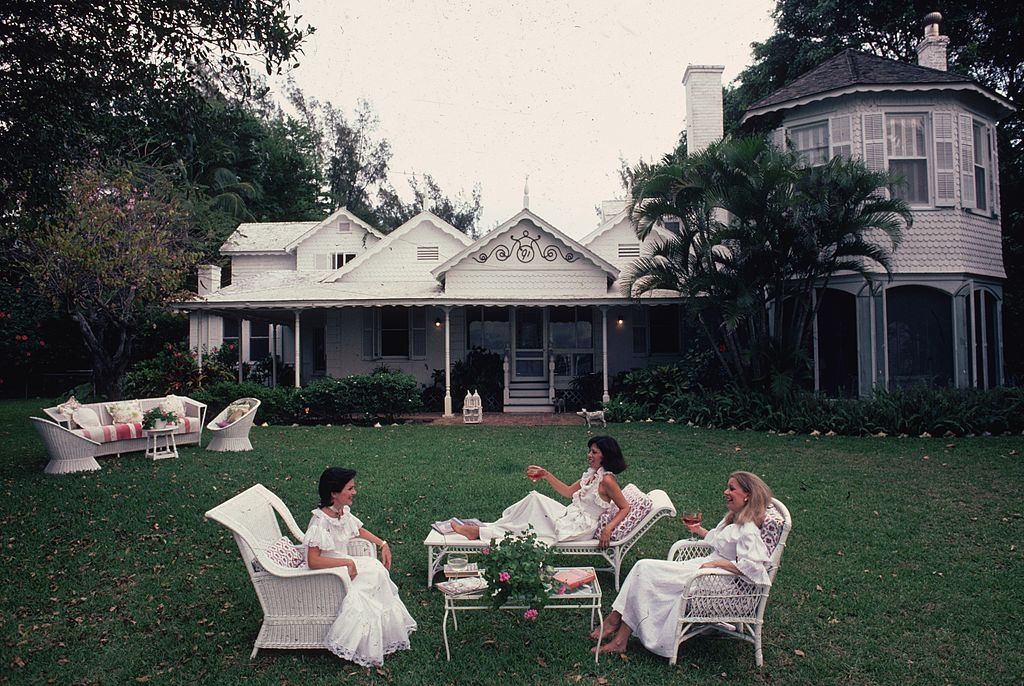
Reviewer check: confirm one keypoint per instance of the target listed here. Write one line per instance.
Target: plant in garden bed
(158, 419)
(515, 569)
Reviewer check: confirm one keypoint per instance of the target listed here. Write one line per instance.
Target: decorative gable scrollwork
(525, 248)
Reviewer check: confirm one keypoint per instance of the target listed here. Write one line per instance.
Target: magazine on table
(445, 528)
(574, 578)
(469, 584)
(470, 569)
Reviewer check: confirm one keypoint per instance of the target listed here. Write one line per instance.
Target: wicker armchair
(235, 436)
(299, 604)
(717, 601)
(68, 452)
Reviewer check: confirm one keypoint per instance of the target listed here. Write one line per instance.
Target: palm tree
(760, 233)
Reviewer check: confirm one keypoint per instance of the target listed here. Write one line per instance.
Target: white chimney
(209, 279)
(931, 51)
(705, 121)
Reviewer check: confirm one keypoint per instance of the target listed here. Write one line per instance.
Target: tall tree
(760, 232)
(119, 247)
(985, 43)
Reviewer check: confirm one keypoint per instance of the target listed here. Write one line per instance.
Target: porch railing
(551, 378)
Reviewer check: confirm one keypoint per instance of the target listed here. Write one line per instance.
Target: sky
(491, 93)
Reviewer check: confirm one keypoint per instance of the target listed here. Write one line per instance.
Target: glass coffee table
(586, 597)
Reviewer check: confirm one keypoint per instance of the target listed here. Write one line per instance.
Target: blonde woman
(648, 603)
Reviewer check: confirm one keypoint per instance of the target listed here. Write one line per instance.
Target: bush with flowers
(515, 570)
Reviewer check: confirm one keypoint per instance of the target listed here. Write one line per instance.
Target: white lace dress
(553, 521)
(373, 621)
(651, 595)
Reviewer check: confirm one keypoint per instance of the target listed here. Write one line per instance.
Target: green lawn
(904, 565)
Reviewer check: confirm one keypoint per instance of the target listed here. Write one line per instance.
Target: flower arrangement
(158, 418)
(515, 569)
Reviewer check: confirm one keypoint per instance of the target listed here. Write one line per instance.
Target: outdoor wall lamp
(437, 323)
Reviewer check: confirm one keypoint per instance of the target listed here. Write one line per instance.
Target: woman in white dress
(648, 603)
(591, 495)
(372, 621)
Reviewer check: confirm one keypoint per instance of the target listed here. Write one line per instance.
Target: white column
(273, 355)
(298, 349)
(505, 370)
(447, 362)
(604, 355)
(1000, 379)
(814, 339)
(243, 348)
(551, 377)
(204, 339)
(970, 324)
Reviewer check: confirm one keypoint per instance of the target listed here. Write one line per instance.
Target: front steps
(528, 397)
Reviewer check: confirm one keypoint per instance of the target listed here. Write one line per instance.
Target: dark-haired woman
(372, 621)
(592, 494)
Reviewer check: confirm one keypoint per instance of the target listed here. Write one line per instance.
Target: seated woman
(591, 495)
(373, 621)
(648, 604)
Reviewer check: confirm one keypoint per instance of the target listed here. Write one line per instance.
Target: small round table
(160, 443)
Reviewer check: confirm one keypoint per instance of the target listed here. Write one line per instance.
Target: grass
(904, 566)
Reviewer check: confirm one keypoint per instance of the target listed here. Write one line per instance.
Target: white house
(939, 321)
(337, 297)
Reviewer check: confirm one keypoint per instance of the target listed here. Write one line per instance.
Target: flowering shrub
(515, 569)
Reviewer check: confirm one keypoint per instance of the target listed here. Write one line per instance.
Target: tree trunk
(108, 367)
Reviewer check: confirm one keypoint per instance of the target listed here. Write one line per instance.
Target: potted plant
(516, 572)
(158, 418)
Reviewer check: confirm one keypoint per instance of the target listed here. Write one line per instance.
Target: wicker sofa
(114, 439)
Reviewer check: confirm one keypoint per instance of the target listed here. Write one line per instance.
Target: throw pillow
(236, 411)
(175, 404)
(68, 407)
(86, 417)
(286, 553)
(640, 506)
(771, 529)
(126, 412)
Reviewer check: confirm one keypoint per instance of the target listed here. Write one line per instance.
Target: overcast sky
(488, 92)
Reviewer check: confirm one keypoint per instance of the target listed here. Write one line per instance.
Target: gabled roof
(397, 235)
(852, 71)
(343, 212)
(264, 237)
(497, 233)
(658, 230)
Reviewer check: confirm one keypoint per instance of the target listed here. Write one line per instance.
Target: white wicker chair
(68, 452)
(717, 601)
(299, 605)
(235, 436)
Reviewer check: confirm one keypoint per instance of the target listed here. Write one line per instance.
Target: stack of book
(470, 569)
(573, 578)
(469, 584)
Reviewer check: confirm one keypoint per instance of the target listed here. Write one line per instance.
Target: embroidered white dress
(553, 521)
(650, 598)
(373, 621)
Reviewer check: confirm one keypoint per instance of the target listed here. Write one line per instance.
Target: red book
(574, 578)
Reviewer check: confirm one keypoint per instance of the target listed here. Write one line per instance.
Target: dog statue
(589, 417)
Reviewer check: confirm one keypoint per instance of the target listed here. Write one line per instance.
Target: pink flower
(486, 550)
(562, 590)
(530, 614)
(504, 576)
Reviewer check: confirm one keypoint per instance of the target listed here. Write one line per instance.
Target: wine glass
(534, 473)
(693, 517)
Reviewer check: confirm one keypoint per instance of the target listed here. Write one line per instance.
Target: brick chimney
(931, 51)
(209, 279)
(705, 120)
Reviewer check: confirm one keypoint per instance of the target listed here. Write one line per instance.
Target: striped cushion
(123, 432)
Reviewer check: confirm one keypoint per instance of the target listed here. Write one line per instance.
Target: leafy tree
(760, 232)
(984, 44)
(119, 247)
(461, 213)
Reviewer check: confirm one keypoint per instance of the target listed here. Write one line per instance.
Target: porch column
(447, 362)
(273, 355)
(983, 327)
(298, 349)
(1000, 379)
(604, 354)
(200, 320)
(243, 347)
(814, 341)
(971, 325)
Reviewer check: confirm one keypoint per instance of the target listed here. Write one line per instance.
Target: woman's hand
(385, 555)
(722, 564)
(535, 473)
(606, 536)
(350, 565)
(696, 528)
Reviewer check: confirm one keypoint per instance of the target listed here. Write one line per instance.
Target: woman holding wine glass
(593, 493)
(648, 603)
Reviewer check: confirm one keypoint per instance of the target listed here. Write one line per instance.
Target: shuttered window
(945, 169)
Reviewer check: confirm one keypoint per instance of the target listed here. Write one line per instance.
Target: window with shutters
(905, 137)
(982, 165)
(811, 141)
(395, 332)
(945, 169)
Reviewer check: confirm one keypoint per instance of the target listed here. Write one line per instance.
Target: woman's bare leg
(470, 531)
(618, 642)
(608, 627)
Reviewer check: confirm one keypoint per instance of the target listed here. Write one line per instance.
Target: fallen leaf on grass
(818, 587)
(18, 662)
(541, 662)
(143, 679)
(799, 653)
